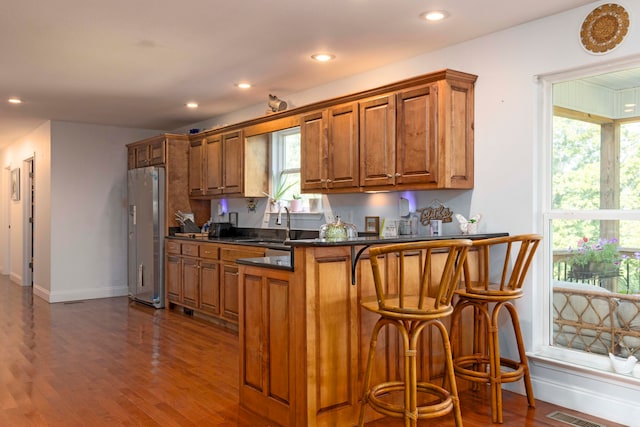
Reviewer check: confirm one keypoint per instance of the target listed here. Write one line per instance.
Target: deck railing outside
(624, 280)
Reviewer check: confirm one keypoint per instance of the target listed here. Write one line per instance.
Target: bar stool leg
(515, 321)
(450, 374)
(495, 373)
(367, 375)
(410, 376)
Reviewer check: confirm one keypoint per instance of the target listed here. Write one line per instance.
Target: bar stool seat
(421, 299)
(487, 299)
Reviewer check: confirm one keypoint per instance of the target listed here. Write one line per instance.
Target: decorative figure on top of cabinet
(276, 104)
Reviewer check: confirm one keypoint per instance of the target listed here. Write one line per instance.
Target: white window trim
(542, 351)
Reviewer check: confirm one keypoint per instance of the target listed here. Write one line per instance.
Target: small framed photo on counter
(233, 218)
(372, 224)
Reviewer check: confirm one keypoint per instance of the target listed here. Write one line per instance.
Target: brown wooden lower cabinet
(203, 277)
(304, 339)
(266, 332)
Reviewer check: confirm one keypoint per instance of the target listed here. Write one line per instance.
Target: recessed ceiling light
(192, 105)
(434, 15)
(323, 57)
(14, 101)
(628, 110)
(629, 105)
(243, 85)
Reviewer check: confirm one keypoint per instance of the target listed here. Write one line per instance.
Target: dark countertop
(278, 262)
(376, 240)
(286, 262)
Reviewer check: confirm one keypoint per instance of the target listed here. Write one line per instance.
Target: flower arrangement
(603, 252)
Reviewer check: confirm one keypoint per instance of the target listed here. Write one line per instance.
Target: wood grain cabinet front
(203, 277)
(329, 150)
(227, 164)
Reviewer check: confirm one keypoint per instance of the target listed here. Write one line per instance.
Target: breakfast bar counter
(304, 337)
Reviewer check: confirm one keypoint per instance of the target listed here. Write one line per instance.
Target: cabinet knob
(398, 174)
(389, 175)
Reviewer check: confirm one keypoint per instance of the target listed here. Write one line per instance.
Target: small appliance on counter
(220, 229)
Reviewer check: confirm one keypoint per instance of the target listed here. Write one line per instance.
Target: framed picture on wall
(15, 184)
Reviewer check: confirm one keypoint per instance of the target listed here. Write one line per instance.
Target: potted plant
(295, 205)
(592, 258)
(279, 192)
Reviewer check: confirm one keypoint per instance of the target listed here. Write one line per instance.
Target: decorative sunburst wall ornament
(604, 28)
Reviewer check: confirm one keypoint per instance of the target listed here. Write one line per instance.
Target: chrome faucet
(287, 232)
(288, 227)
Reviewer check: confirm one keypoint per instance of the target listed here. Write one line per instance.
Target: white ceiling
(136, 63)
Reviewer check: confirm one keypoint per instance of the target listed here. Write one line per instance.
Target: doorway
(29, 211)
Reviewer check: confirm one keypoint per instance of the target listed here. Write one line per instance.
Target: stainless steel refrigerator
(146, 196)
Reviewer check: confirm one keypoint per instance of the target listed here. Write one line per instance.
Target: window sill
(584, 363)
(309, 215)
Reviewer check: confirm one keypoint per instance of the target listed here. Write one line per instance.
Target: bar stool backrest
(501, 276)
(424, 288)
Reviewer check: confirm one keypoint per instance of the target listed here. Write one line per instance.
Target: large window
(286, 164)
(594, 220)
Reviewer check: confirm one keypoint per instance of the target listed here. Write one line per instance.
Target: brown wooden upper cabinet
(216, 165)
(329, 157)
(415, 134)
(418, 138)
(149, 152)
(228, 165)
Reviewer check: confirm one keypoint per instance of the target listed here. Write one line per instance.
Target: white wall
(35, 144)
(80, 218)
(507, 163)
(88, 210)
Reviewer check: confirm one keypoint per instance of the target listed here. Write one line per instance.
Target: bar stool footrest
(463, 367)
(442, 407)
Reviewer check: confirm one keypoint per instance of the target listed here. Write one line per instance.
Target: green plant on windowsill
(280, 189)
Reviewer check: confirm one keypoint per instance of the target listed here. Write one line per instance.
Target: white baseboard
(15, 278)
(80, 294)
(600, 394)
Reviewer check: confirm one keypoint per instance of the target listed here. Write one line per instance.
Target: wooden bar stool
(419, 299)
(497, 284)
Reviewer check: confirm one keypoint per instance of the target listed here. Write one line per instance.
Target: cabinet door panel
(416, 159)
(190, 281)
(195, 169)
(210, 286)
(172, 277)
(460, 139)
(343, 165)
(156, 153)
(232, 169)
(142, 156)
(313, 167)
(213, 165)
(229, 292)
(377, 142)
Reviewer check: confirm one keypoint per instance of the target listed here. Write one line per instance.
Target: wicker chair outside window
(419, 301)
(496, 287)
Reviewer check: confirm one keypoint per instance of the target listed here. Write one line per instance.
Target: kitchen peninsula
(304, 336)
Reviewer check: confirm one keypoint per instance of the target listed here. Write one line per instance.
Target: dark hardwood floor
(109, 362)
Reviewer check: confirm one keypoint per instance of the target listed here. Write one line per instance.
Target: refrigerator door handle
(140, 283)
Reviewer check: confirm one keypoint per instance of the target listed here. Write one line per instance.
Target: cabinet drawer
(190, 249)
(229, 254)
(209, 251)
(172, 247)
